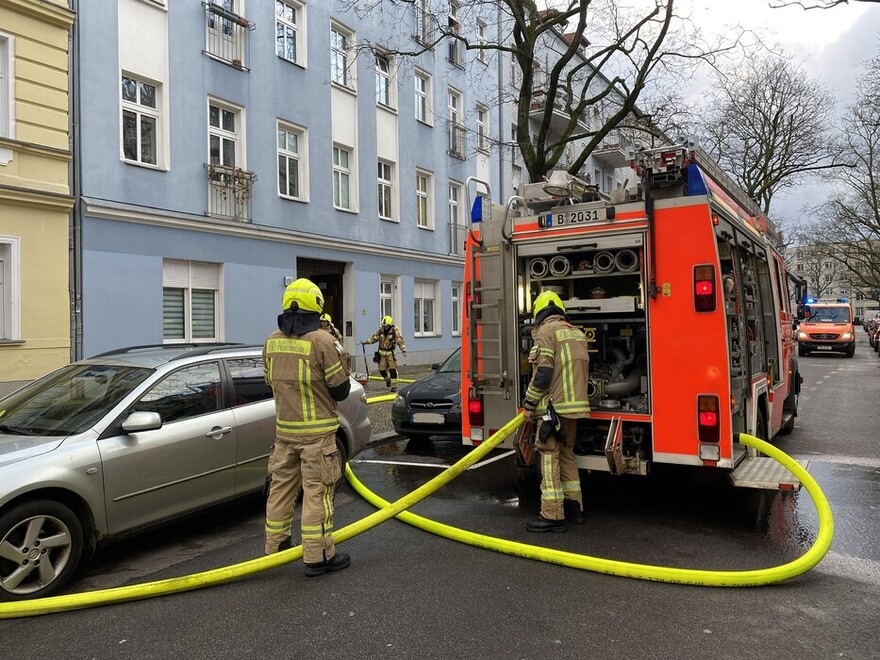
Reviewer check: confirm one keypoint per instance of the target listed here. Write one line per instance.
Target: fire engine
(681, 292)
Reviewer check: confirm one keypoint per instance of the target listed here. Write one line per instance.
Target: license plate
(824, 348)
(428, 418)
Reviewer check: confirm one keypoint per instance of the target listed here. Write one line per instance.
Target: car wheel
(851, 351)
(40, 546)
(802, 351)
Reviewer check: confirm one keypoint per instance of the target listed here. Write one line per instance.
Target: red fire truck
(682, 294)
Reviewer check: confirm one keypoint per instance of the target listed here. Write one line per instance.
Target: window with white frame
(456, 128)
(190, 301)
(342, 178)
(424, 201)
(384, 81)
(456, 228)
(290, 31)
(423, 97)
(482, 41)
(10, 324)
(425, 308)
(456, 47)
(7, 119)
(423, 21)
(223, 137)
(456, 309)
(227, 30)
(140, 121)
(292, 161)
(386, 296)
(341, 68)
(482, 127)
(514, 71)
(386, 190)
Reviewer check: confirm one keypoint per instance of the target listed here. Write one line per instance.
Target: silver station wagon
(127, 439)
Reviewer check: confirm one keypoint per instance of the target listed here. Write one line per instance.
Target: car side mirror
(142, 420)
(435, 366)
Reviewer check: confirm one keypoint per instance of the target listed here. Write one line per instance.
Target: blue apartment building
(226, 148)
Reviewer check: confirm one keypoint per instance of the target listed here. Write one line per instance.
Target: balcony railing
(227, 35)
(457, 140)
(457, 237)
(230, 191)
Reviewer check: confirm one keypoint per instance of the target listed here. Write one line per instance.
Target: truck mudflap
(765, 473)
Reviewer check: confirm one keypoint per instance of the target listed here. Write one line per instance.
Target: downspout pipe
(75, 174)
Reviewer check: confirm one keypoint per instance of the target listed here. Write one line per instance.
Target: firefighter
(327, 324)
(557, 398)
(388, 336)
(304, 367)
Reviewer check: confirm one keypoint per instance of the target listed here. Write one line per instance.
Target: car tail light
(704, 288)
(475, 411)
(708, 418)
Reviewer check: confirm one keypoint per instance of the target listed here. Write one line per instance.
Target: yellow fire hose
(657, 573)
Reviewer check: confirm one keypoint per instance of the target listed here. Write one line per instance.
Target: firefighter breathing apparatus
(694, 577)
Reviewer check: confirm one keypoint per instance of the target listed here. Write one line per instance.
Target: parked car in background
(127, 439)
(431, 406)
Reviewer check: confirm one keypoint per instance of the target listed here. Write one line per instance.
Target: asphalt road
(412, 595)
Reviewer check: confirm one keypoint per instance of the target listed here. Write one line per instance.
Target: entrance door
(328, 276)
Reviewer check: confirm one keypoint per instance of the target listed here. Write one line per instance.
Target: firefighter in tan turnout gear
(388, 337)
(308, 377)
(327, 324)
(557, 396)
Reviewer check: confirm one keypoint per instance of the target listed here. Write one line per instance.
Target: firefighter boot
(573, 512)
(542, 524)
(337, 562)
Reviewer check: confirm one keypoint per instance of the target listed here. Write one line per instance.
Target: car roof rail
(212, 346)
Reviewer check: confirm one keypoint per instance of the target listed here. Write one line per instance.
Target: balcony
(560, 112)
(457, 140)
(229, 192)
(612, 152)
(227, 33)
(457, 237)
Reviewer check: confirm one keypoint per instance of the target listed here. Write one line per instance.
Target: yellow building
(35, 196)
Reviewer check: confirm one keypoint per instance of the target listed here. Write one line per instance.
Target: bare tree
(813, 4)
(772, 130)
(851, 218)
(583, 65)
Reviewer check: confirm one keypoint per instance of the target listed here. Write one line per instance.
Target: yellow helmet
(546, 298)
(386, 320)
(303, 295)
(326, 317)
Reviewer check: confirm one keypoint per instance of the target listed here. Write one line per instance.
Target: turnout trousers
(310, 463)
(560, 479)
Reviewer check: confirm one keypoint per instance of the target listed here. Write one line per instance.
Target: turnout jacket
(560, 363)
(387, 340)
(302, 371)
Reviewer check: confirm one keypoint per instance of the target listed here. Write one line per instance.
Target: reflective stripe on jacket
(300, 369)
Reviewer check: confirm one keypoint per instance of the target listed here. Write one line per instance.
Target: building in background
(35, 196)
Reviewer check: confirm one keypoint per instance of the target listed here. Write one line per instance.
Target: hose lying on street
(657, 573)
(689, 576)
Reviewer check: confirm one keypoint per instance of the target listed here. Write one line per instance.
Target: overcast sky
(831, 44)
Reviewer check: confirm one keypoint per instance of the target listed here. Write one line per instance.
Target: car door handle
(218, 432)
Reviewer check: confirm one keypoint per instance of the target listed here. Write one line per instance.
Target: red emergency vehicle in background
(684, 299)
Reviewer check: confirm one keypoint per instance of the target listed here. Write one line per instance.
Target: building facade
(35, 195)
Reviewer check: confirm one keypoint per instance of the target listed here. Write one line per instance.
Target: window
(482, 40)
(222, 134)
(190, 299)
(455, 46)
(423, 21)
(341, 178)
(456, 129)
(424, 309)
(386, 296)
(340, 46)
(386, 184)
(9, 306)
(514, 71)
(247, 380)
(227, 31)
(140, 121)
(456, 308)
(292, 170)
(424, 205)
(384, 83)
(423, 97)
(482, 128)
(229, 184)
(186, 393)
(7, 107)
(456, 228)
(290, 27)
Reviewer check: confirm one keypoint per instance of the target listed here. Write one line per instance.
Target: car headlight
(846, 336)
(802, 335)
(398, 402)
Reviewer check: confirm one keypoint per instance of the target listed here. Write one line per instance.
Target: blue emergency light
(477, 210)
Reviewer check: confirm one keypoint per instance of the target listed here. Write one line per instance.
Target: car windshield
(452, 364)
(829, 315)
(70, 400)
